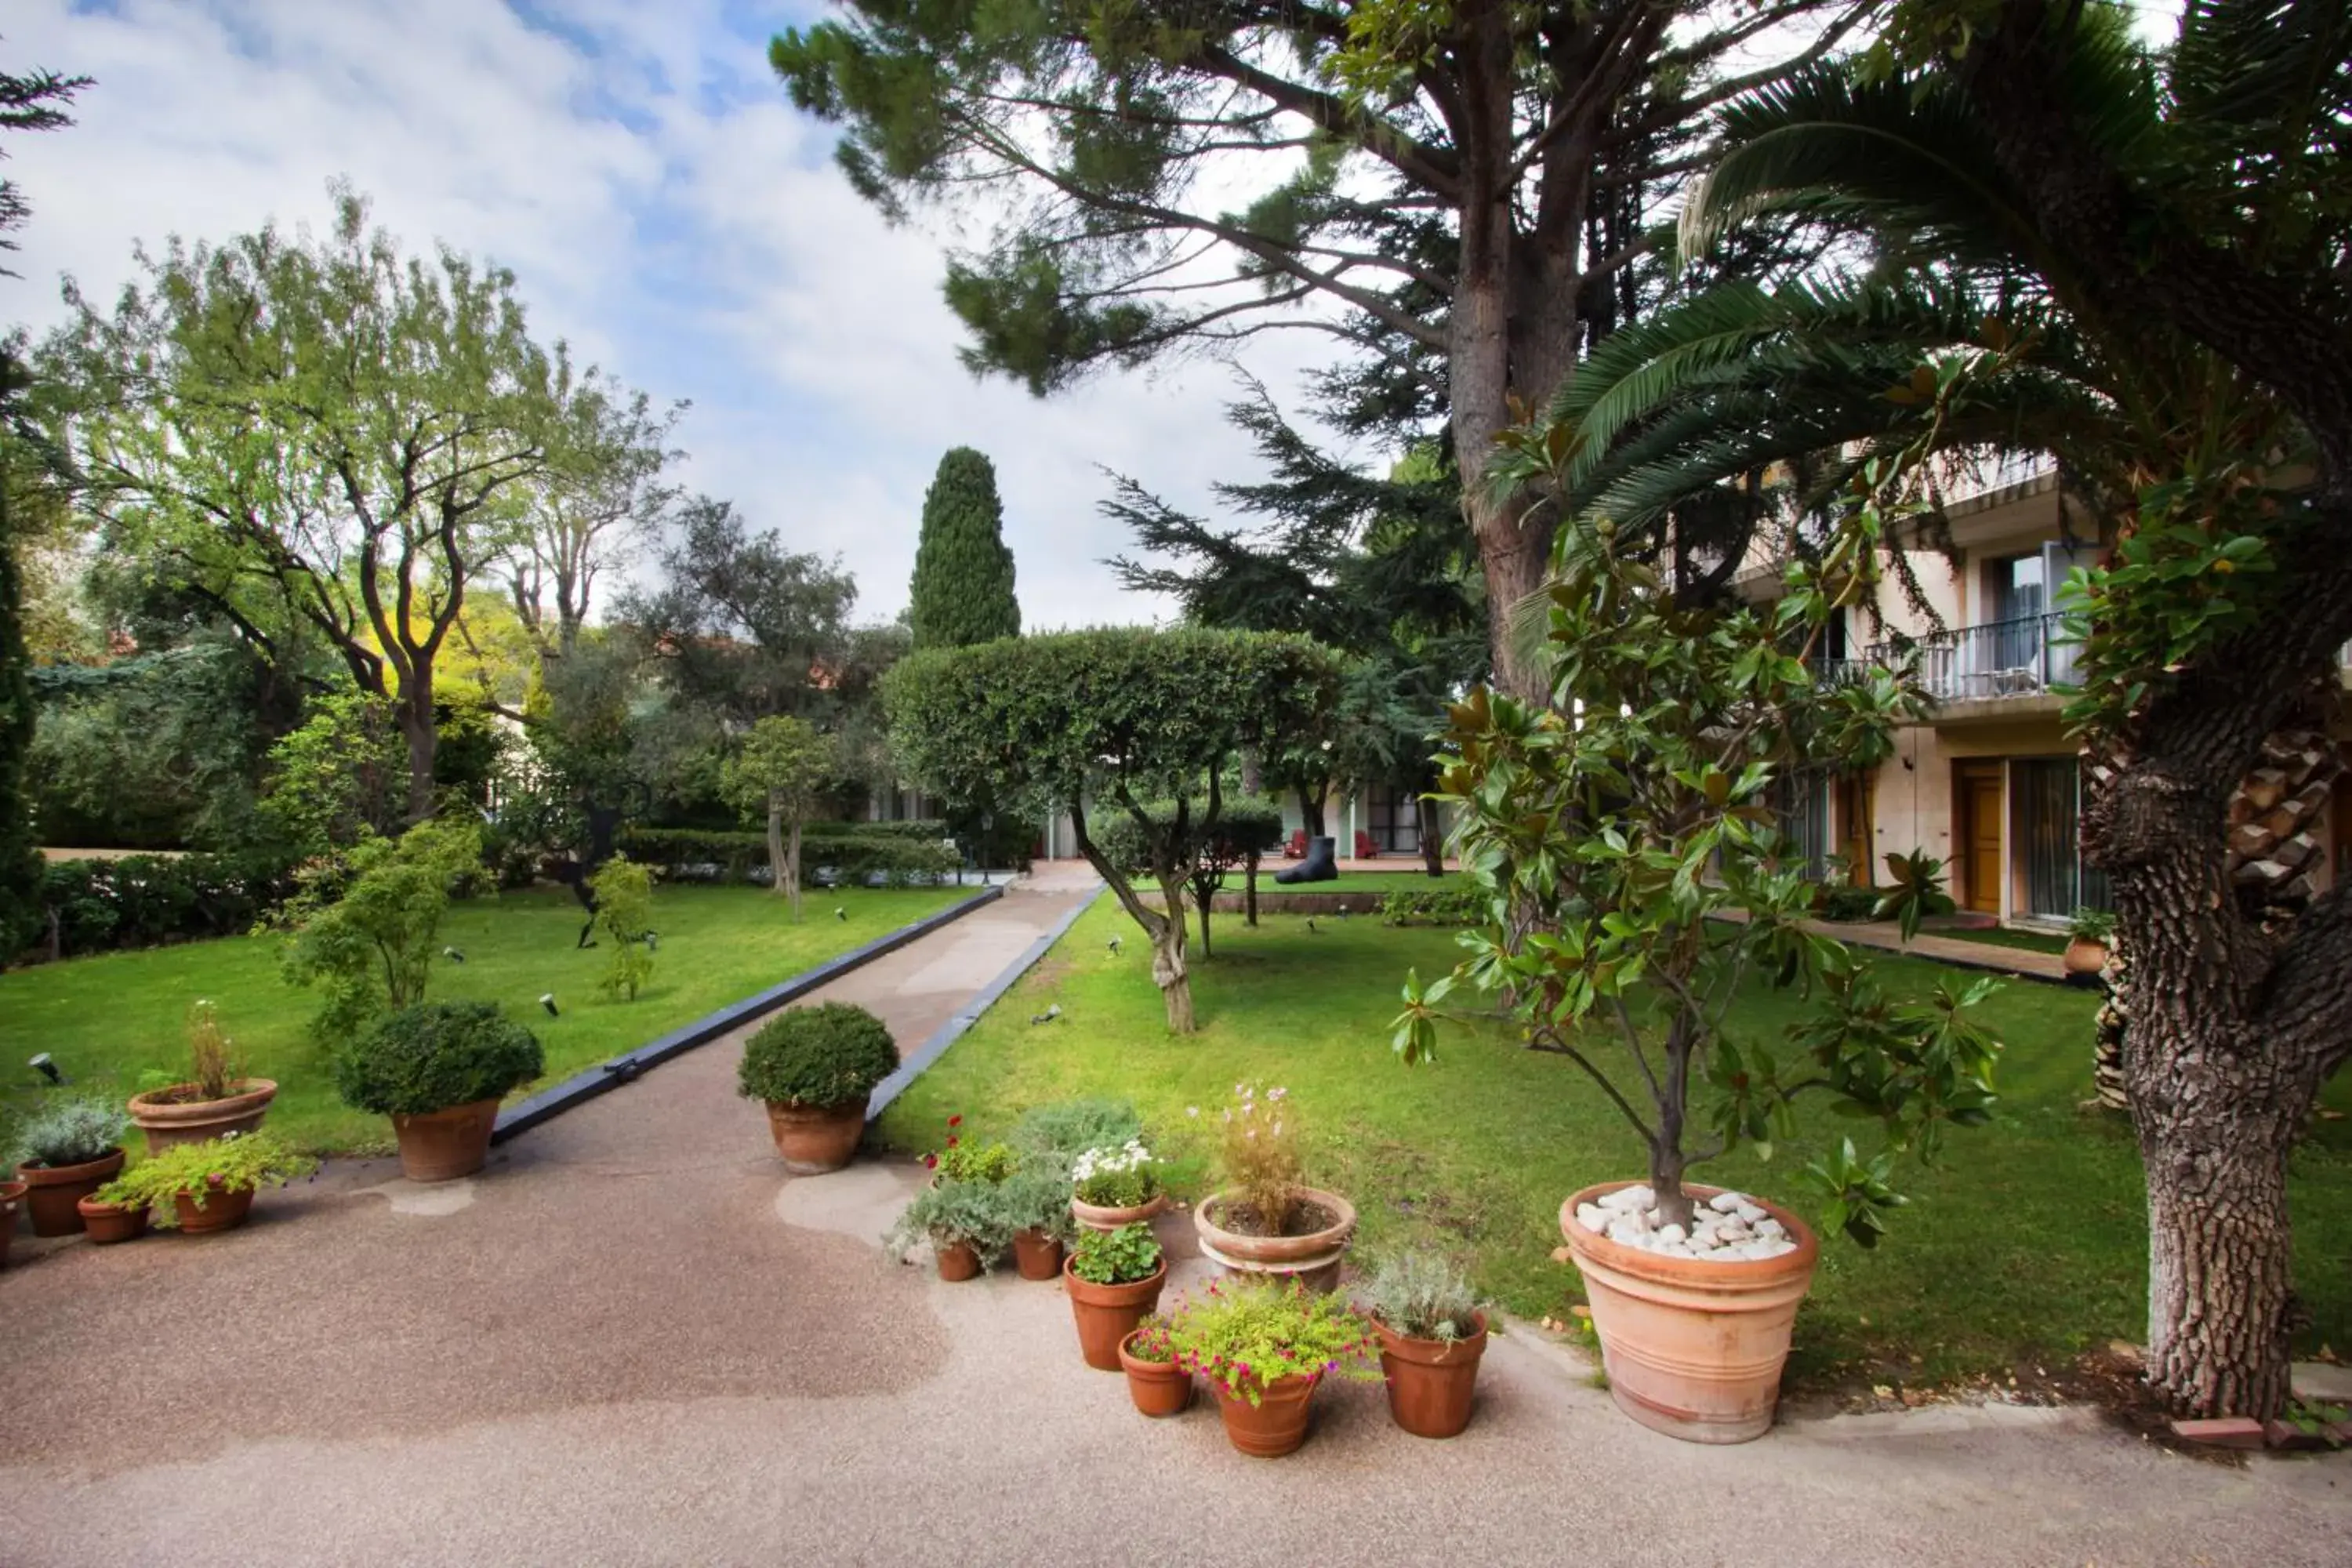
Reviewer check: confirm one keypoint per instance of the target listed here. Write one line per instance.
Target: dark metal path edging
(948, 1033)
(585, 1086)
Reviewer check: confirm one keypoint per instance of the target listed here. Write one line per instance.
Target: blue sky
(665, 209)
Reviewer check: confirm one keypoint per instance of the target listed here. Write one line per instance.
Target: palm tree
(1977, 305)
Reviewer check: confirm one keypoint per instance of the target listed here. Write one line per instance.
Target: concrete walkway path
(634, 1340)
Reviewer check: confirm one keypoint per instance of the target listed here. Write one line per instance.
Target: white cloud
(664, 208)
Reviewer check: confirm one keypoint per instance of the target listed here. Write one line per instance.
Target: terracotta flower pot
(168, 1116)
(815, 1139)
(110, 1222)
(222, 1209)
(1036, 1255)
(1158, 1387)
(441, 1145)
(1693, 1348)
(1106, 1314)
(1276, 1425)
(2084, 956)
(12, 1198)
(1312, 1258)
(1096, 1218)
(52, 1191)
(958, 1260)
(1430, 1382)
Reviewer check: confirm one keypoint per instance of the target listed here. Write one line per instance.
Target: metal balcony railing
(2019, 658)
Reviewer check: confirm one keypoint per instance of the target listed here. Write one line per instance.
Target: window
(1395, 824)
(2047, 792)
(1803, 802)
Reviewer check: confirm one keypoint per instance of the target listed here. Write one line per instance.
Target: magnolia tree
(1633, 814)
(1104, 722)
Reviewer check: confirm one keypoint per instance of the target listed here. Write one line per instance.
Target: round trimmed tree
(1105, 721)
(962, 590)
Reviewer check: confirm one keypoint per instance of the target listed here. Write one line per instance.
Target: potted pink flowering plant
(1265, 1346)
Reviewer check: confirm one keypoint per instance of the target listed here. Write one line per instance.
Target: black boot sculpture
(1321, 864)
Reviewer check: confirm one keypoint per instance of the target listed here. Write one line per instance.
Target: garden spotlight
(548, 1001)
(47, 1069)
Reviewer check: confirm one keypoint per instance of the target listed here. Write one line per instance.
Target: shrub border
(608, 1075)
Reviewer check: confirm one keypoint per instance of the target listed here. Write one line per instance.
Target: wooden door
(1977, 805)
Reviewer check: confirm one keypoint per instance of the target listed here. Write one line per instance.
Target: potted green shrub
(66, 1150)
(1265, 1345)
(207, 1186)
(2089, 934)
(1113, 1279)
(1038, 1199)
(1430, 1335)
(816, 1067)
(1265, 1219)
(1156, 1382)
(217, 1097)
(438, 1070)
(968, 1223)
(1115, 1185)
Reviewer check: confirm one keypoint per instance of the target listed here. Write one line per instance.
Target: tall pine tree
(963, 591)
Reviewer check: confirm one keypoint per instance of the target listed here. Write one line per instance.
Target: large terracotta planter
(958, 1260)
(110, 1222)
(815, 1139)
(1158, 1387)
(52, 1191)
(1094, 1216)
(2084, 956)
(222, 1209)
(1431, 1383)
(1106, 1314)
(1276, 1425)
(1693, 1348)
(443, 1145)
(1313, 1259)
(169, 1117)
(1036, 1255)
(12, 1198)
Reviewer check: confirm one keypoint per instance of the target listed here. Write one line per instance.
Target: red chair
(1296, 848)
(1365, 848)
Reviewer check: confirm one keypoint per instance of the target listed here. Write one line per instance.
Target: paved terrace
(634, 1340)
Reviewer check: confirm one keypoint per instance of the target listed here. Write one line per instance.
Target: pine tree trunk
(1431, 835)
(1249, 893)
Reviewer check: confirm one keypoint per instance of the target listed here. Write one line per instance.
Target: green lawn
(1410, 880)
(2028, 1242)
(2001, 936)
(109, 1018)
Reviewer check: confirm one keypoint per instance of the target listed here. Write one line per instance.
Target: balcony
(1998, 659)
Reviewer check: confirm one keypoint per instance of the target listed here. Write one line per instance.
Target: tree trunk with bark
(414, 713)
(1168, 968)
(1431, 835)
(778, 885)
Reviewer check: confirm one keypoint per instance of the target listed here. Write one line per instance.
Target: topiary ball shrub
(818, 1056)
(433, 1056)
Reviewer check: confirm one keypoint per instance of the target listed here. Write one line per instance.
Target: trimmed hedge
(434, 1056)
(1463, 904)
(139, 901)
(688, 855)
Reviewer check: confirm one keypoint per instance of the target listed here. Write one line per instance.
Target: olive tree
(781, 769)
(1103, 723)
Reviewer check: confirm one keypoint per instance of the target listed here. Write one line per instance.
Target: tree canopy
(1108, 722)
(1471, 181)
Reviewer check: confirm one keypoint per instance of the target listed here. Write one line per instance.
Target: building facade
(1988, 782)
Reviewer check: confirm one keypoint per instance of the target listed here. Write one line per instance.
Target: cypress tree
(963, 591)
(20, 863)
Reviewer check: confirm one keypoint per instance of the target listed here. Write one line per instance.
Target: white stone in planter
(1728, 1227)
